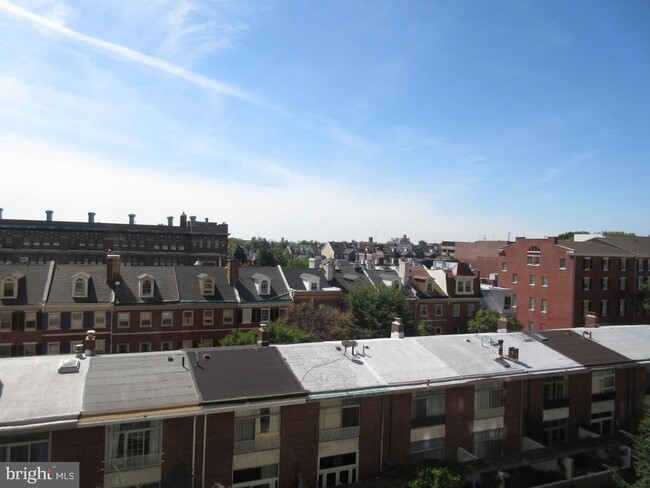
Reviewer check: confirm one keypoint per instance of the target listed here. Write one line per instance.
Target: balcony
(428, 421)
(342, 433)
(133, 462)
(599, 397)
(263, 444)
(556, 402)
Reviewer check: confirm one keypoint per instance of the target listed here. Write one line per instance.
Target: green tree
(239, 338)
(435, 477)
(640, 455)
(322, 322)
(281, 332)
(645, 297)
(375, 308)
(298, 262)
(233, 244)
(487, 320)
(617, 233)
(568, 236)
(240, 255)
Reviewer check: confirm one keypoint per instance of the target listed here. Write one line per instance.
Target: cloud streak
(131, 55)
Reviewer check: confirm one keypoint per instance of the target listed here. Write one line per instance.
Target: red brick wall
(370, 437)
(85, 446)
(400, 428)
(630, 391)
(512, 416)
(219, 449)
(177, 446)
(299, 438)
(460, 417)
(534, 409)
(580, 403)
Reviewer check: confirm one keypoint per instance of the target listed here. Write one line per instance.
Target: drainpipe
(205, 431)
(193, 450)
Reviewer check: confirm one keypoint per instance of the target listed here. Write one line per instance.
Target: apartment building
(331, 413)
(41, 241)
(559, 283)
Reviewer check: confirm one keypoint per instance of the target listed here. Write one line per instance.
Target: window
(188, 317)
(26, 448)
(145, 319)
(208, 286)
(532, 280)
(260, 476)
(53, 348)
(605, 264)
(640, 264)
(246, 316)
(514, 300)
(562, 263)
(166, 345)
(544, 305)
(555, 388)
(29, 349)
(100, 346)
(424, 311)
(623, 264)
(122, 348)
(100, 319)
(470, 309)
(507, 303)
(265, 314)
(123, 319)
(313, 285)
(146, 286)
(429, 286)
(9, 288)
(504, 266)
(533, 256)
(80, 285)
(514, 277)
(623, 284)
(145, 347)
(640, 281)
(53, 320)
(555, 431)
(77, 320)
(264, 287)
(586, 284)
(602, 423)
(621, 307)
(464, 286)
(133, 445)
(282, 312)
(337, 414)
(604, 284)
(167, 319)
(531, 303)
(30, 320)
(488, 443)
(208, 317)
(187, 344)
(604, 308)
(227, 316)
(428, 449)
(586, 264)
(5, 350)
(488, 395)
(586, 307)
(544, 281)
(438, 309)
(456, 310)
(256, 423)
(602, 381)
(428, 408)
(531, 325)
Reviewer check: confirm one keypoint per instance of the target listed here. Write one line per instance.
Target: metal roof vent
(70, 365)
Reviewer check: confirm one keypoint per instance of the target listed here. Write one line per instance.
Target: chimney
(370, 240)
(500, 342)
(48, 215)
(170, 221)
(91, 217)
(232, 270)
(397, 329)
(502, 323)
(329, 270)
(403, 271)
(591, 320)
(131, 219)
(89, 343)
(513, 352)
(314, 263)
(1, 209)
(112, 268)
(183, 220)
(192, 220)
(262, 336)
(79, 351)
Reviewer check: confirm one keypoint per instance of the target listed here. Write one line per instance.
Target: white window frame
(604, 283)
(31, 320)
(54, 320)
(146, 319)
(531, 304)
(3, 289)
(265, 315)
(456, 310)
(424, 310)
(100, 319)
(544, 305)
(100, 346)
(515, 278)
(623, 264)
(167, 318)
(562, 263)
(76, 320)
(228, 316)
(439, 310)
(265, 287)
(125, 346)
(464, 286)
(623, 283)
(603, 381)
(605, 264)
(80, 285)
(532, 280)
(146, 285)
(144, 345)
(123, 320)
(586, 306)
(188, 318)
(53, 348)
(544, 281)
(166, 345)
(29, 348)
(246, 316)
(208, 317)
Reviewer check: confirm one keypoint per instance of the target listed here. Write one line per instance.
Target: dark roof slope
(165, 288)
(294, 277)
(239, 374)
(189, 288)
(592, 247)
(634, 244)
(579, 348)
(246, 284)
(61, 288)
(32, 281)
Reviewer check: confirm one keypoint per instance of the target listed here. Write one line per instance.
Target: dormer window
(9, 288)
(310, 282)
(146, 285)
(464, 286)
(206, 282)
(262, 283)
(429, 286)
(80, 285)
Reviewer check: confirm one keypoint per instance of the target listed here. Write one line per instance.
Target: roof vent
(70, 365)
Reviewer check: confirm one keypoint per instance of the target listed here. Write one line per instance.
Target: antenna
(347, 343)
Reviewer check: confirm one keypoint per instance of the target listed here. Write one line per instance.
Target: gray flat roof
(32, 391)
(632, 341)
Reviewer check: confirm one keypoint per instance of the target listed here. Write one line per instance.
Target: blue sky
(454, 120)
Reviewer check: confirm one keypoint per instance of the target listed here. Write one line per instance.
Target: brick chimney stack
(591, 320)
(397, 329)
(89, 343)
(112, 268)
(262, 336)
(232, 270)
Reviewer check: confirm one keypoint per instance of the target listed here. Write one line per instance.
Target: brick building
(328, 414)
(482, 256)
(41, 241)
(558, 283)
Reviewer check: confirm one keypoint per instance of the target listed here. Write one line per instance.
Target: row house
(332, 413)
(559, 283)
(41, 241)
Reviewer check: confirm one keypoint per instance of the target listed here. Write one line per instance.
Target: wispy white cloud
(131, 55)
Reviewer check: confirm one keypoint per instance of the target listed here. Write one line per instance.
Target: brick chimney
(89, 343)
(232, 270)
(329, 270)
(397, 329)
(591, 320)
(91, 217)
(183, 220)
(314, 263)
(513, 352)
(262, 336)
(112, 268)
(403, 271)
(502, 323)
(48, 215)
